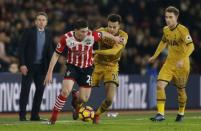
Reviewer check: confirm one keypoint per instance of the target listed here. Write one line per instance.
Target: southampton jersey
(79, 52)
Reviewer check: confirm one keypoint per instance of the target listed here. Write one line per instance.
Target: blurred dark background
(143, 20)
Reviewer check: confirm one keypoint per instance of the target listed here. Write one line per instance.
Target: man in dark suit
(35, 53)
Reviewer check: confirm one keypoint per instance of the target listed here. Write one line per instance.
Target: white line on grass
(112, 121)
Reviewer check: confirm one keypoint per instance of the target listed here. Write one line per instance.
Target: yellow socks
(161, 107)
(161, 97)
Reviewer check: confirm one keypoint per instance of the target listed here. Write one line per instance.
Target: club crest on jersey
(71, 43)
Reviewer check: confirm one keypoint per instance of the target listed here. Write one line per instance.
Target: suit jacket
(28, 45)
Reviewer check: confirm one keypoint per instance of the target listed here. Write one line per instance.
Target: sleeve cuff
(58, 52)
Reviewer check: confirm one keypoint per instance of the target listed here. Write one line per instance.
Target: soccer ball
(86, 113)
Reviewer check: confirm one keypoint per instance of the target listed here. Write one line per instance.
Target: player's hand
(48, 79)
(151, 59)
(119, 39)
(180, 64)
(24, 69)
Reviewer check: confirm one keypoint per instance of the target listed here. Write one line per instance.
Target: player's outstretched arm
(159, 49)
(112, 51)
(48, 77)
(117, 39)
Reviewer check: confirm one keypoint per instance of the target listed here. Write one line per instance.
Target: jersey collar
(175, 27)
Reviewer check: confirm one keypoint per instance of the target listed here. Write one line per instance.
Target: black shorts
(80, 75)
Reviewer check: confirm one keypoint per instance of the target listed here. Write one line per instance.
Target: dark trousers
(35, 74)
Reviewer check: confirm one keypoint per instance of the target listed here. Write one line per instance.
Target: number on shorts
(88, 79)
(114, 77)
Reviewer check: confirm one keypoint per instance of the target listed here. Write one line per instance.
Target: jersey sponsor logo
(78, 53)
(172, 43)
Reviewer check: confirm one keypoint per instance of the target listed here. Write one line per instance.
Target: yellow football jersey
(105, 44)
(177, 41)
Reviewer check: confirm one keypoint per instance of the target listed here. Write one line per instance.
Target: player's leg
(180, 80)
(111, 89)
(61, 99)
(111, 83)
(161, 98)
(182, 98)
(164, 78)
(80, 97)
(70, 77)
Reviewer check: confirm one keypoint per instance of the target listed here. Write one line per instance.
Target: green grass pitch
(125, 121)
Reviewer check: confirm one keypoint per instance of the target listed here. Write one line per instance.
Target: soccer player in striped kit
(79, 43)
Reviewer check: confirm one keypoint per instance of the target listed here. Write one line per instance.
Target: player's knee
(65, 92)
(110, 84)
(83, 99)
(161, 85)
(182, 99)
(182, 95)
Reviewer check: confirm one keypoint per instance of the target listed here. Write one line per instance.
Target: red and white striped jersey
(79, 52)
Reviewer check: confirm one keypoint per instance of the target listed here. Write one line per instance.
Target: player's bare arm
(48, 77)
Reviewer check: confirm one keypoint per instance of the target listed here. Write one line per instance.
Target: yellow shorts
(179, 76)
(105, 74)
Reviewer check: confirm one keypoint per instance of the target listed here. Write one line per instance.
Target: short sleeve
(97, 35)
(61, 45)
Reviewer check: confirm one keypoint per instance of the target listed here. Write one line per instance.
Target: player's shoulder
(123, 33)
(165, 29)
(182, 28)
(68, 34)
(101, 29)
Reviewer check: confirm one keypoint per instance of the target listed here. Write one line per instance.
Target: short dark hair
(42, 13)
(81, 23)
(114, 18)
(172, 9)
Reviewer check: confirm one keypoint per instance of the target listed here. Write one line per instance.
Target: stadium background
(142, 20)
